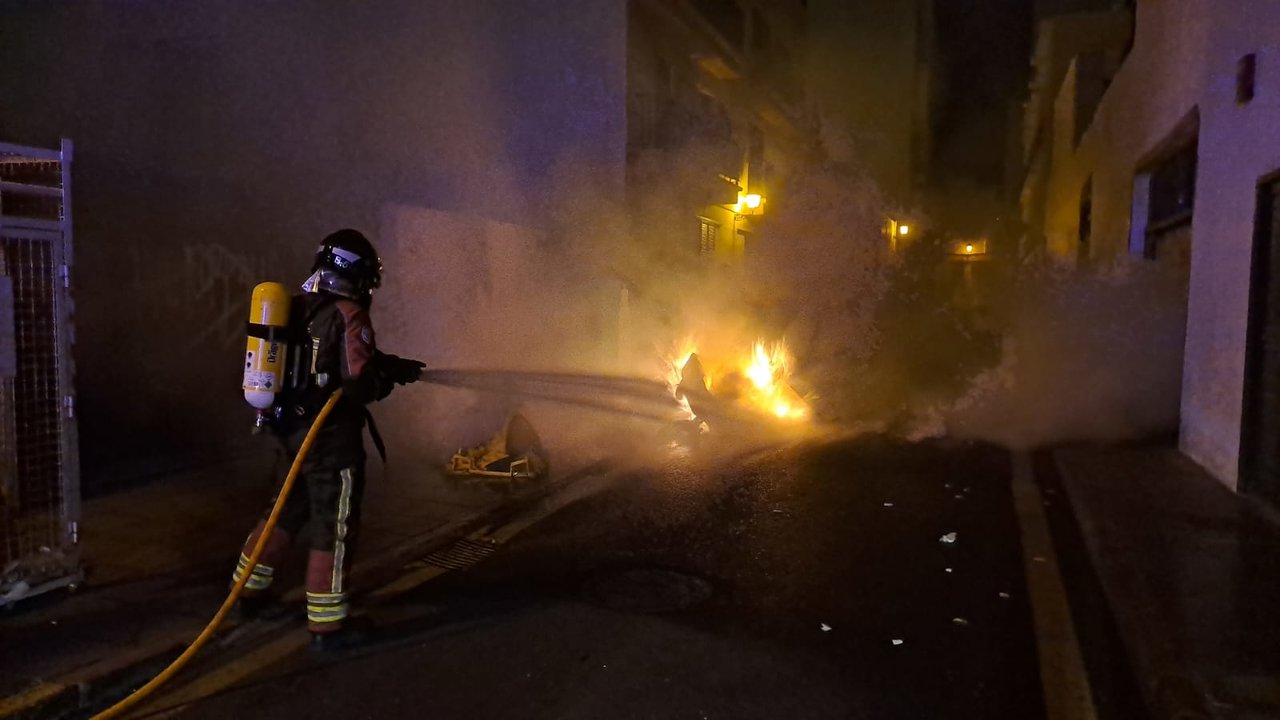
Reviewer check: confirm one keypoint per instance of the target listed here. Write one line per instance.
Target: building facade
(1171, 156)
(715, 108)
(1066, 47)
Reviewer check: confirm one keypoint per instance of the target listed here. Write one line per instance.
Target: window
(708, 231)
(1164, 197)
(1171, 197)
(1173, 190)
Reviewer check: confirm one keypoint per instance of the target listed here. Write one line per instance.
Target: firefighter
(331, 346)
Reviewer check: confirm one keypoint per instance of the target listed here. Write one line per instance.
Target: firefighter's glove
(401, 371)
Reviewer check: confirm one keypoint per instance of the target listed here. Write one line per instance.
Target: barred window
(707, 231)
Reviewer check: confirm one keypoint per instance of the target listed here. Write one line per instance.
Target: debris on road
(896, 641)
(514, 454)
(825, 627)
(1004, 596)
(888, 505)
(960, 621)
(948, 539)
(947, 569)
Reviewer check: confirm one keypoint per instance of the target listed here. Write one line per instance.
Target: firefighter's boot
(355, 632)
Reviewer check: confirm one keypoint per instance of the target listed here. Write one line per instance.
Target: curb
(76, 692)
(99, 684)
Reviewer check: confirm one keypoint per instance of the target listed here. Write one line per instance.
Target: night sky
(984, 49)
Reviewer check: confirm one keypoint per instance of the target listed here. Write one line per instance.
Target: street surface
(803, 582)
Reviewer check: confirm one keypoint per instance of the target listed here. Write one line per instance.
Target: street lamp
(749, 204)
(904, 230)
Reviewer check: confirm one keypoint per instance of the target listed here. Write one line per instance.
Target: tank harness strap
(270, 333)
(376, 436)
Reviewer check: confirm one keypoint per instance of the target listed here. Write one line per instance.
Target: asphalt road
(809, 582)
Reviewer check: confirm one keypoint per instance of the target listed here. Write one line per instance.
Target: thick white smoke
(1085, 356)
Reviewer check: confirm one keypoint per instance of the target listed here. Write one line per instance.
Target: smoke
(823, 267)
(605, 283)
(914, 343)
(598, 285)
(1086, 356)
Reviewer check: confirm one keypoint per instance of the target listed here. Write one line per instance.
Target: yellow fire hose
(141, 693)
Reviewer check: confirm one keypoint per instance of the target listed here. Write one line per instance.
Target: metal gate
(39, 469)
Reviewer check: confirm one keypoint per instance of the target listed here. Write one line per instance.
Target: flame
(766, 369)
(769, 369)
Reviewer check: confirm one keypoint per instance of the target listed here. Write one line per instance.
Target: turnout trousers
(328, 492)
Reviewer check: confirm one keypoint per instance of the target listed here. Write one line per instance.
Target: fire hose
(143, 692)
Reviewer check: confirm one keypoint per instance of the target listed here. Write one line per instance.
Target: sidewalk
(1191, 572)
(159, 557)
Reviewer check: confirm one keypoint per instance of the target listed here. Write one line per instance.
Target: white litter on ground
(960, 621)
(896, 641)
(888, 504)
(948, 539)
(1004, 596)
(825, 627)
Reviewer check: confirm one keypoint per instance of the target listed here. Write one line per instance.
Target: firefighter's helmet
(346, 264)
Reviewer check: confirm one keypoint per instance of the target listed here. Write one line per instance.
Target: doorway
(1260, 424)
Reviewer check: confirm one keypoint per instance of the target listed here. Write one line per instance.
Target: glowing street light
(968, 248)
(904, 230)
(749, 204)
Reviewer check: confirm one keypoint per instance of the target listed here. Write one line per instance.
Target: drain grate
(648, 590)
(461, 555)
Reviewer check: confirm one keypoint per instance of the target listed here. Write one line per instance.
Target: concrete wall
(1183, 63)
(217, 143)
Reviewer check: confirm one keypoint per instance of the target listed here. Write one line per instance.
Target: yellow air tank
(264, 358)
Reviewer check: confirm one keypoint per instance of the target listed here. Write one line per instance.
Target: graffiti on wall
(217, 281)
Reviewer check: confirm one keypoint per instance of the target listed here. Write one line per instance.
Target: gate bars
(39, 467)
